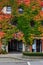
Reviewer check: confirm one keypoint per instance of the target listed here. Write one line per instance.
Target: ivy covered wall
(26, 16)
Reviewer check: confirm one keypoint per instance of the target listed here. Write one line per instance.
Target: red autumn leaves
(26, 2)
(2, 34)
(4, 16)
(40, 2)
(18, 35)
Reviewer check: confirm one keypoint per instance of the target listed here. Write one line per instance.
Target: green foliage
(23, 25)
(41, 22)
(35, 12)
(23, 20)
(3, 51)
(9, 30)
(0, 0)
(32, 54)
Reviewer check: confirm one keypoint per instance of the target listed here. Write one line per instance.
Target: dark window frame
(32, 23)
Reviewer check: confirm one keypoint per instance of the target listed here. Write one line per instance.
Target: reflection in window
(8, 10)
(42, 8)
(20, 10)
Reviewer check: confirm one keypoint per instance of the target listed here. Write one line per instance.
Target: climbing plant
(24, 20)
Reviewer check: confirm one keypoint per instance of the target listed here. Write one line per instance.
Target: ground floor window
(37, 45)
(14, 46)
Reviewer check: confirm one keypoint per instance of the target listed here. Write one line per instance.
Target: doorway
(14, 46)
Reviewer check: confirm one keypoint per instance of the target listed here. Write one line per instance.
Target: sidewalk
(19, 56)
(13, 55)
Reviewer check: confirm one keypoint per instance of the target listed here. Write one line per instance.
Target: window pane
(8, 9)
(32, 23)
(20, 10)
(42, 9)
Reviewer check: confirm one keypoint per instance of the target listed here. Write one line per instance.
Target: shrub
(32, 54)
(3, 52)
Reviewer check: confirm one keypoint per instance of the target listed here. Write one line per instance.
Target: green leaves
(24, 26)
(35, 12)
(0, 0)
(24, 21)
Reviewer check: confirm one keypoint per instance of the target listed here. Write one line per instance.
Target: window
(42, 8)
(32, 23)
(20, 10)
(8, 10)
(14, 21)
(42, 22)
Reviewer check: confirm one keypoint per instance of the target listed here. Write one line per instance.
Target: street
(21, 63)
(9, 61)
(39, 62)
(12, 63)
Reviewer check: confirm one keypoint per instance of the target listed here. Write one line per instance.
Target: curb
(16, 58)
(23, 59)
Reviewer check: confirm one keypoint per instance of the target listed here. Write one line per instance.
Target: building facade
(6, 14)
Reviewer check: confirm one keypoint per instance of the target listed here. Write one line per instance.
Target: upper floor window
(42, 8)
(14, 21)
(6, 10)
(42, 22)
(32, 23)
(20, 10)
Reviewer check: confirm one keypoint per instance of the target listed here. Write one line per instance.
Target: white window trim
(4, 10)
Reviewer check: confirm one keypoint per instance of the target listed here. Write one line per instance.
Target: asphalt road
(13, 63)
(22, 63)
(38, 62)
(9, 61)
